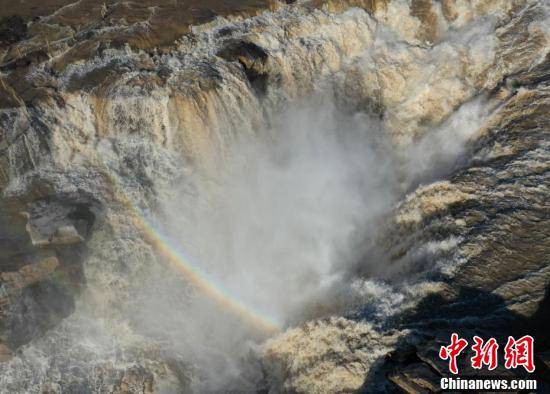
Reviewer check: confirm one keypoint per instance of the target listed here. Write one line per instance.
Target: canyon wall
(101, 115)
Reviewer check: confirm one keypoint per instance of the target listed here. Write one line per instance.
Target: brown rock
(30, 274)
(34, 273)
(407, 385)
(135, 380)
(66, 235)
(5, 353)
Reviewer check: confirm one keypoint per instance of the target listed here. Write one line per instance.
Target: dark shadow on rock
(253, 60)
(38, 284)
(415, 365)
(12, 29)
(41, 307)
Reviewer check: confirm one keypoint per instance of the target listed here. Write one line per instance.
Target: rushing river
(267, 197)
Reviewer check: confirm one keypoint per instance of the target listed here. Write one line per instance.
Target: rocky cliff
(104, 107)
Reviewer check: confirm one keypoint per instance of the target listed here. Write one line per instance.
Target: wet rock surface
(38, 279)
(338, 350)
(100, 105)
(501, 287)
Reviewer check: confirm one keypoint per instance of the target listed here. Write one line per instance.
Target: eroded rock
(32, 300)
(332, 356)
(79, 88)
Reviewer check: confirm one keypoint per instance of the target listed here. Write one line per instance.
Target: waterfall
(271, 189)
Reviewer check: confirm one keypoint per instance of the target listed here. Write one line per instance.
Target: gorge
(297, 197)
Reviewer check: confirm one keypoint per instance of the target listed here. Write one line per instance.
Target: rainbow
(192, 271)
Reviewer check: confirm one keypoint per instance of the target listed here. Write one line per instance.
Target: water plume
(278, 228)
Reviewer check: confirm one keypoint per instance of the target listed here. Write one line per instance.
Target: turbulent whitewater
(301, 197)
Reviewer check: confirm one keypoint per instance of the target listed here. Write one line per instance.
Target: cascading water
(263, 195)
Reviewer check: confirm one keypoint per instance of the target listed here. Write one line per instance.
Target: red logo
(452, 351)
(516, 353)
(485, 354)
(520, 353)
